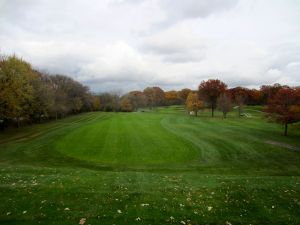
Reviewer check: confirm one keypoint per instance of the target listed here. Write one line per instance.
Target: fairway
(126, 139)
(153, 167)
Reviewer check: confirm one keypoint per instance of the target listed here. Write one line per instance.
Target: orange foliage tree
(172, 98)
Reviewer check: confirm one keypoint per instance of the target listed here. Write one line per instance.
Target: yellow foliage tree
(15, 88)
(96, 103)
(126, 105)
(193, 104)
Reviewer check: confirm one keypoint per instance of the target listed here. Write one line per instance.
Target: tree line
(282, 103)
(31, 96)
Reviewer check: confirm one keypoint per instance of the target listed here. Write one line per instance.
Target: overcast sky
(130, 44)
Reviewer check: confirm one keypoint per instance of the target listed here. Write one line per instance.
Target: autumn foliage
(193, 104)
(172, 98)
(183, 94)
(155, 96)
(284, 107)
(210, 91)
(30, 96)
(126, 105)
(224, 104)
(239, 96)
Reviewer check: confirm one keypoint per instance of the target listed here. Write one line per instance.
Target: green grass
(160, 167)
(126, 139)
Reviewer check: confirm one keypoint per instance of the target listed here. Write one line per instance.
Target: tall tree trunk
(212, 111)
(18, 122)
(2, 125)
(285, 129)
(196, 113)
(56, 115)
(224, 115)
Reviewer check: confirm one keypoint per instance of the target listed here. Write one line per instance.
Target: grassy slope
(97, 163)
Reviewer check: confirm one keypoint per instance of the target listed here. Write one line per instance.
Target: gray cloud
(183, 58)
(177, 9)
(111, 44)
(177, 45)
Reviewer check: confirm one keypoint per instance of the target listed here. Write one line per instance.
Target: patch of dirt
(284, 145)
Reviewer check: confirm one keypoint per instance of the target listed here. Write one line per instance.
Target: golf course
(159, 166)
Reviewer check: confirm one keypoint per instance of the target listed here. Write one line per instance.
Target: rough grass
(161, 167)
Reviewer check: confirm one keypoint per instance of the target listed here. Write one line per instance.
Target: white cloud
(177, 10)
(176, 44)
(131, 44)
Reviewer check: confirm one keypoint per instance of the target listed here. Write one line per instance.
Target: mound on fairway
(126, 139)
